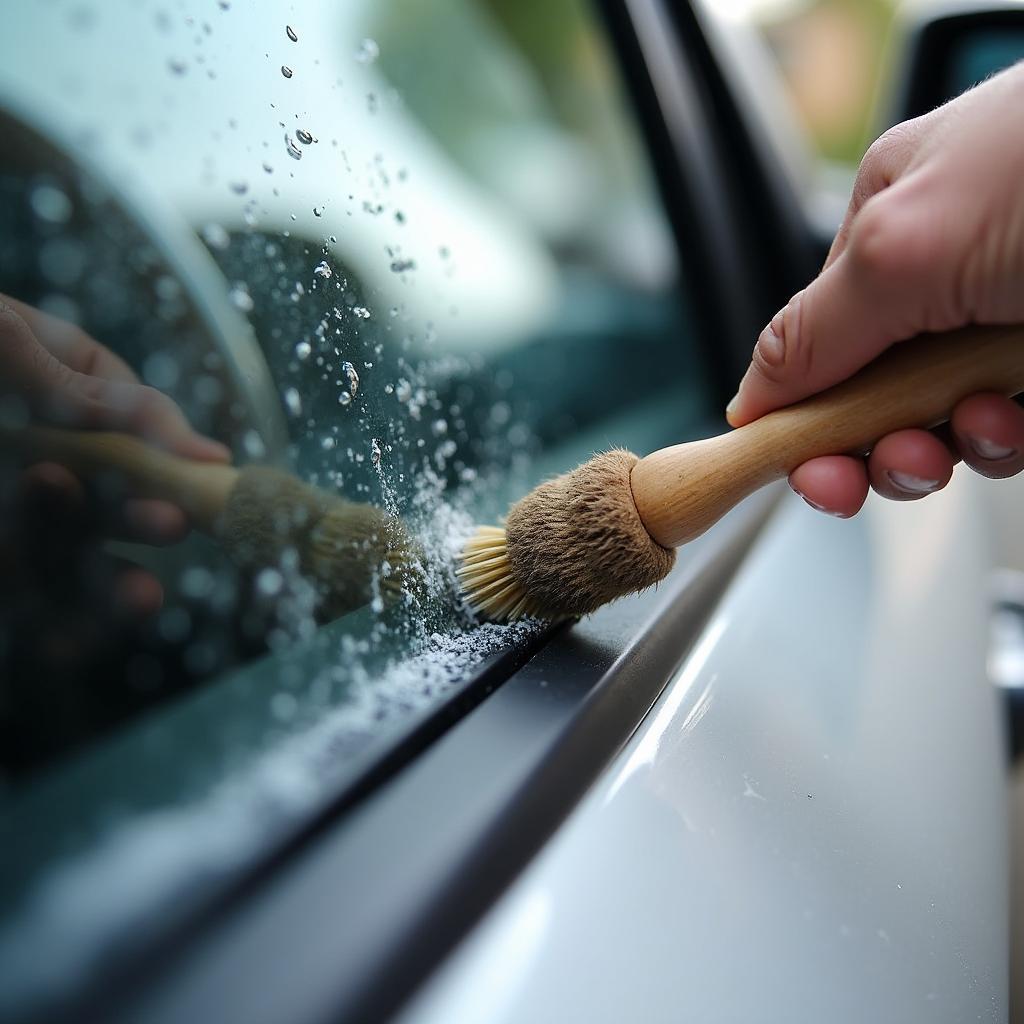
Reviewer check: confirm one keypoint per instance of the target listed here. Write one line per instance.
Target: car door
(424, 257)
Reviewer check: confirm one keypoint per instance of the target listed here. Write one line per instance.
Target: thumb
(874, 294)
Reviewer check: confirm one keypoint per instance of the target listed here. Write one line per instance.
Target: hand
(51, 370)
(933, 239)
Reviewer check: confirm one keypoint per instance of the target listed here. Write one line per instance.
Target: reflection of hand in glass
(54, 372)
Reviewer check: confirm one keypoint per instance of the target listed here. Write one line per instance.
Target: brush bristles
(487, 581)
(350, 551)
(571, 545)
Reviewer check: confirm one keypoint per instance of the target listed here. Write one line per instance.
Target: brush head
(350, 551)
(571, 545)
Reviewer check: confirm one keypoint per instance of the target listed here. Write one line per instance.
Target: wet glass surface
(410, 254)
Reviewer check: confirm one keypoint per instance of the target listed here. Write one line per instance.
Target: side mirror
(949, 52)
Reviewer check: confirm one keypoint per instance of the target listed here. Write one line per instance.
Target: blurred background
(832, 56)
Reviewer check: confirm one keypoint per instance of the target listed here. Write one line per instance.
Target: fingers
(989, 434)
(58, 530)
(151, 522)
(47, 480)
(835, 484)
(138, 409)
(93, 389)
(986, 430)
(136, 593)
(904, 466)
(71, 345)
(144, 521)
(909, 464)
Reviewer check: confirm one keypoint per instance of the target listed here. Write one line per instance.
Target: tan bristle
(487, 581)
(571, 545)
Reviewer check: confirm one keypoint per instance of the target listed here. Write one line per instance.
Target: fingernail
(910, 483)
(990, 450)
(821, 508)
(732, 406)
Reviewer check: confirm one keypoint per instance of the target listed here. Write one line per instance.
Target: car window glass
(410, 253)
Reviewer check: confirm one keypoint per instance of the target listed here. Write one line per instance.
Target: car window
(413, 254)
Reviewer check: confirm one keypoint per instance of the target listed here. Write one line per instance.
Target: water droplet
(240, 297)
(344, 398)
(268, 168)
(328, 443)
(404, 391)
(353, 378)
(303, 136)
(389, 389)
(224, 4)
(377, 605)
(368, 52)
(401, 266)
(291, 33)
(269, 582)
(323, 270)
(51, 204)
(318, 211)
(292, 401)
(439, 427)
(286, 71)
(303, 350)
(375, 452)
(253, 445)
(239, 187)
(293, 151)
(177, 67)
(361, 311)
(215, 236)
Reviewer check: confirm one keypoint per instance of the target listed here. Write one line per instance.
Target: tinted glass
(409, 253)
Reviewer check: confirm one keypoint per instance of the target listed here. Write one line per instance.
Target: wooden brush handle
(683, 490)
(199, 488)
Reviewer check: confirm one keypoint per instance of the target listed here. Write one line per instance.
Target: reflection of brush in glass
(257, 513)
(609, 527)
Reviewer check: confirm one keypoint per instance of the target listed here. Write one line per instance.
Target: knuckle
(13, 329)
(152, 412)
(890, 142)
(783, 350)
(886, 249)
(148, 403)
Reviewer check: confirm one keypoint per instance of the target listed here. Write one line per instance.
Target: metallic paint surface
(810, 823)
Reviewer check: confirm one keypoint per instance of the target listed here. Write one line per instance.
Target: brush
(256, 513)
(610, 527)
